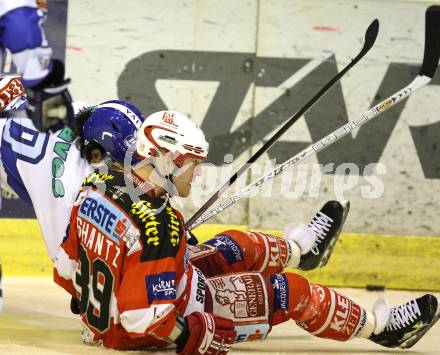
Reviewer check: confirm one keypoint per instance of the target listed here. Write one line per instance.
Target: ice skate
(326, 225)
(404, 324)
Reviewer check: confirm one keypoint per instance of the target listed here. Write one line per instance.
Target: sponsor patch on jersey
(200, 286)
(105, 216)
(96, 179)
(228, 247)
(147, 216)
(174, 227)
(161, 287)
(240, 297)
(161, 232)
(251, 332)
(281, 290)
(347, 315)
(196, 301)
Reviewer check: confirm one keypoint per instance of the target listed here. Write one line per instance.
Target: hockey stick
(426, 73)
(370, 38)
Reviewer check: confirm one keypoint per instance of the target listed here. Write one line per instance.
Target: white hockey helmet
(173, 132)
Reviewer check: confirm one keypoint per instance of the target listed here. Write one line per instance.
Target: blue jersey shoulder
(21, 141)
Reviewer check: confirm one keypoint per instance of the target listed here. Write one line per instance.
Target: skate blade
(411, 341)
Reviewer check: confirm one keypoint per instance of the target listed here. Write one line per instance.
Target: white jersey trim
(139, 320)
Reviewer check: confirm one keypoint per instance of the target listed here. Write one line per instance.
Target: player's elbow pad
(146, 320)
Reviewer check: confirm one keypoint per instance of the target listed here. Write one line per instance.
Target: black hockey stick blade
(370, 38)
(432, 42)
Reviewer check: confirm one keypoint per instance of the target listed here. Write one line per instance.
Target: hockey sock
(271, 254)
(321, 311)
(237, 251)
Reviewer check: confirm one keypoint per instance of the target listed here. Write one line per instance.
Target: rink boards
(240, 68)
(404, 262)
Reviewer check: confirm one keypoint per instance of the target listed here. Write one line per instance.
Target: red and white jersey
(45, 169)
(126, 260)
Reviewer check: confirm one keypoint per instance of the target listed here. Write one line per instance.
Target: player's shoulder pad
(161, 227)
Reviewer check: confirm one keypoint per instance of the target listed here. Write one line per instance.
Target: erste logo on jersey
(105, 216)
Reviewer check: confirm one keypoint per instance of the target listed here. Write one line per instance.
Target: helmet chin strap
(167, 177)
(170, 182)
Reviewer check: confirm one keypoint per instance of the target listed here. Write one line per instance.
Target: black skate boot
(408, 322)
(327, 225)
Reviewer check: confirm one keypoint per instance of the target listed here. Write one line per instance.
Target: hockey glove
(206, 333)
(49, 103)
(191, 239)
(12, 92)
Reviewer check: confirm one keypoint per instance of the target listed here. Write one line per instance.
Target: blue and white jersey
(9, 5)
(45, 169)
(22, 34)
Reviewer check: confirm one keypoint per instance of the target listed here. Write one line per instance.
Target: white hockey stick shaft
(429, 67)
(370, 38)
(418, 82)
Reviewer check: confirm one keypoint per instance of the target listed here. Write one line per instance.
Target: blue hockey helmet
(113, 125)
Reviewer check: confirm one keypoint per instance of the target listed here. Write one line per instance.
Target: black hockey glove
(191, 239)
(49, 103)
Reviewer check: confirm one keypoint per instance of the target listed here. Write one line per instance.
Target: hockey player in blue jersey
(22, 34)
(47, 169)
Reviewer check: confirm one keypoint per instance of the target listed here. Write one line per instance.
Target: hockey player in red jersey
(126, 259)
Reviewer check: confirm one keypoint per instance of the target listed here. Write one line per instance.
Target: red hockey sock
(319, 310)
(236, 251)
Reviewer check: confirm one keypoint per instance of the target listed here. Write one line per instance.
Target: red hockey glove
(12, 92)
(206, 333)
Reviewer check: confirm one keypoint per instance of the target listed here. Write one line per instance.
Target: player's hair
(85, 148)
